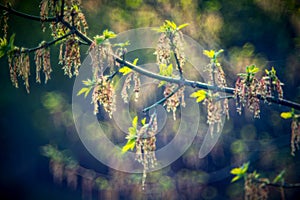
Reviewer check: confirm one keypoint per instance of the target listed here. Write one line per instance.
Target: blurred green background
(250, 31)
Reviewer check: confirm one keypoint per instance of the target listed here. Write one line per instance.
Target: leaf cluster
(106, 35)
(132, 134)
(200, 95)
(6, 47)
(170, 26)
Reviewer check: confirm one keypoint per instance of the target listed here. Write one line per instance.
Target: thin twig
(284, 185)
(27, 16)
(161, 101)
(47, 44)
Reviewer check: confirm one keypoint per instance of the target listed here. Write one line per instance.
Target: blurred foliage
(265, 33)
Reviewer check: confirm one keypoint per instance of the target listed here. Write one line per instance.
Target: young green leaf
(209, 54)
(171, 24)
(125, 70)
(286, 115)
(88, 82)
(182, 26)
(129, 145)
(279, 177)
(3, 47)
(235, 178)
(134, 122)
(240, 170)
(252, 69)
(200, 95)
(169, 70)
(84, 90)
(108, 34)
(143, 121)
(99, 39)
(135, 61)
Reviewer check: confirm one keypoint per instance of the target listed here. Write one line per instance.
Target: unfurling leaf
(143, 121)
(129, 145)
(286, 115)
(235, 178)
(182, 26)
(131, 137)
(252, 69)
(84, 90)
(279, 177)
(135, 61)
(240, 170)
(3, 47)
(108, 34)
(125, 70)
(171, 24)
(200, 95)
(210, 54)
(134, 122)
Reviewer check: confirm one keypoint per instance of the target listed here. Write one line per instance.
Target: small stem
(224, 97)
(113, 75)
(161, 101)
(284, 185)
(47, 44)
(24, 15)
(178, 65)
(77, 32)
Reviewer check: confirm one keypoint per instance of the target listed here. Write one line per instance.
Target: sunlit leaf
(171, 24)
(11, 45)
(99, 39)
(200, 95)
(240, 170)
(209, 54)
(279, 177)
(235, 178)
(108, 34)
(125, 70)
(84, 90)
(286, 115)
(252, 69)
(245, 167)
(3, 47)
(143, 121)
(129, 145)
(134, 122)
(132, 132)
(219, 52)
(135, 61)
(169, 70)
(236, 171)
(88, 82)
(182, 26)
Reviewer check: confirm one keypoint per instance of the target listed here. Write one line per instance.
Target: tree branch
(284, 185)
(161, 101)
(26, 16)
(150, 74)
(47, 44)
